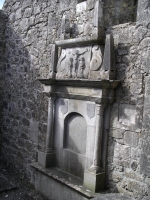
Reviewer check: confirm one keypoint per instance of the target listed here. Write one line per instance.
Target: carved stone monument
(80, 90)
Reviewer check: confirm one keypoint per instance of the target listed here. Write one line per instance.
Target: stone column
(46, 159)
(98, 137)
(49, 136)
(94, 178)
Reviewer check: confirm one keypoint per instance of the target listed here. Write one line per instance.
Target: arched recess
(75, 133)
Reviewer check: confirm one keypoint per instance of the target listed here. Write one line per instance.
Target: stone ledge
(77, 42)
(81, 97)
(101, 84)
(66, 179)
(76, 184)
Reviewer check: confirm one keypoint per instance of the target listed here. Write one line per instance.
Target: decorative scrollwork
(96, 61)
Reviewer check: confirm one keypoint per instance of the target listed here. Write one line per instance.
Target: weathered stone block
(122, 152)
(131, 138)
(46, 159)
(127, 114)
(117, 133)
(94, 182)
(81, 7)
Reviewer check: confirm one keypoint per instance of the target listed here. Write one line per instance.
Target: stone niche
(80, 89)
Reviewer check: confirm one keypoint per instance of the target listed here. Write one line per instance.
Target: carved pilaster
(98, 137)
(49, 136)
(94, 178)
(46, 159)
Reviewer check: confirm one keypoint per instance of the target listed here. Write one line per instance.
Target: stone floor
(112, 197)
(14, 187)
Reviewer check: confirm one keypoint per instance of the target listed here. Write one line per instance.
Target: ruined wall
(31, 28)
(128, 154)
(2, 45)
(119, 12)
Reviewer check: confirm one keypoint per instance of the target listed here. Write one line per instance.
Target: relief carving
(81, 67)
(61, 61)
(77, 54)
(74, 63)
(70, 68)
(96, 60)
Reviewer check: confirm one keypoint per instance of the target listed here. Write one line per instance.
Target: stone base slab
(94, 181)
(46, 159)
(57, 184)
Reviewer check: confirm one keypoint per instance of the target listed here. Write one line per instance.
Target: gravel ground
(24, 191)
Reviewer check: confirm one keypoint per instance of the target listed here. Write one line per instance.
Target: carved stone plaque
(74, 63)
(80, 62)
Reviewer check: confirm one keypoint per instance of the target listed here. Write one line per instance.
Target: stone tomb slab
(58, 175)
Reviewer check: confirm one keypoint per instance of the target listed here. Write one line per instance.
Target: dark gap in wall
(119, 12)
(135, 11)
(80, 1)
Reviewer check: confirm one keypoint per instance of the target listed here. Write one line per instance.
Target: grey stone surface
(64, 106)
(5, 184)
(90, 110)
(112, 197)
(109, 59)
(73, 63)
(76, 133)
(33, 130)
(31, 30)
(67, 184)
(94, 182)
(119, 12)
(127, 114)
(73, 137)
(2, 62)
(46, 159)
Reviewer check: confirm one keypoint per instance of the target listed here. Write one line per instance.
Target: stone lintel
(77, 42)
(101, 84)
(46, 159)
(104, 100)
(95, 182)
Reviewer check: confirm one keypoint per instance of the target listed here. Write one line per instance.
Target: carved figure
(81, 67)
(96, 58)
(61, 61)
(69, 69)
(77, 54)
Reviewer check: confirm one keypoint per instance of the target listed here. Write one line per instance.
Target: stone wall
(128, 154)
(31, 29)
(2, 29)
(119, 12)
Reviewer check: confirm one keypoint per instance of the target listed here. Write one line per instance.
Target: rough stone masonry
(31, 28)
(2, 28)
